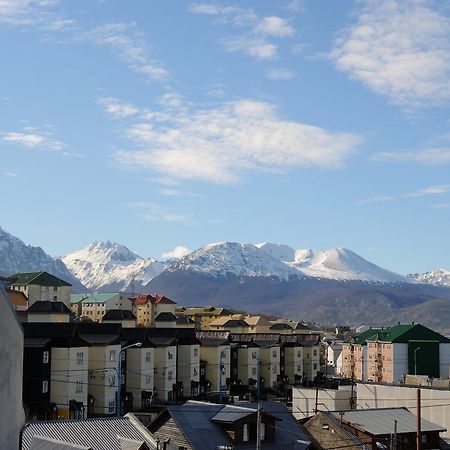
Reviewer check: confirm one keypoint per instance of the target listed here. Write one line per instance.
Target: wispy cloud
(130, 46)
(153, 212)
(442, 205)
(117, 109)
(280, 74)
(176, 253)
(428, 191)
(254, 42)
(38, 14)
(168, 192)
(399, 49)
(218, 145)
(9, 174)
(34, 140)
(428, 156)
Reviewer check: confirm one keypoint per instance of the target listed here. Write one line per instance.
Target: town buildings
(95, 306)
(147, 307)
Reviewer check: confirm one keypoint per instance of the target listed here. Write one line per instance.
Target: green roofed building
(41, 286)
(389, 354)
(95, 305)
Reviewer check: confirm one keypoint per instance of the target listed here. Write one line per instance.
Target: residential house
(95, 434)
(147, 307)
(200, 425)
(184, 322)
(11, 374)
(48, 311)
(374, 428)
(123, 316)
(41, 286)
(270, 352)
(140, 367)
(103, 363)
(95, 306)
(334, 356)
(165, 319)
(234, 324)
(55, 371)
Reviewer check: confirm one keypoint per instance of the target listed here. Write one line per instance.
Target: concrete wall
(165, 371)
(399, 361)
(11, 372)
(293, 362)
(304, 400)
(48, 317)
(43, 293)
(270, 365)
(140, 372)
(188, 368)
(435, 402)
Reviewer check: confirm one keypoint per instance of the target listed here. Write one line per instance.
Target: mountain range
(332, 286)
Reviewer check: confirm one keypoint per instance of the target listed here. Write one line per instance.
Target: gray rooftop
(45, 443)
(380, 421)
(98, 434)
(230, 413)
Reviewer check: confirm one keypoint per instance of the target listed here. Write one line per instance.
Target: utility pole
(316, 409)
(394, 447)
(258, 427)
(221, 369)
(419, 423)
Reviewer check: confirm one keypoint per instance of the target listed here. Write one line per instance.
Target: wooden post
(317, 397)
(419, 423)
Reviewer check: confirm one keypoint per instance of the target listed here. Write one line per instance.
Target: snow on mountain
(335, 263)
(16, 256)
(105, 265)
(239, 259)
(438, 277)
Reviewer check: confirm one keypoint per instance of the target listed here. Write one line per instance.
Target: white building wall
(293, 362)
(140, 372)
(399, 361)
(435, 402)
(304, 400)
(165, 371)
(188, 368)
(11, 372)
(444, 360)
(270, 365)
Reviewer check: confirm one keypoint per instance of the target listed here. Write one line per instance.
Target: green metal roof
(369, 334)
(92, 298)
(37, 278)
(406, 332)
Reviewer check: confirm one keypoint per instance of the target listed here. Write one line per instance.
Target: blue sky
(161, 124)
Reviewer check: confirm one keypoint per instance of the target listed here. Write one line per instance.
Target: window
(55, 298)
(45, 387)
(112, 355)
(299, 353)
(299, 367)
(169, 355)
(315, 366)
(195, 352)
(111, 407)
(274, 353)
(315, 352)
(148, 379)
(112, 380)
(55, 288)
(262, 431)
(245, 436)
(254, 355)
(79, 387)
(253, 371)
(80, 358)
(195, 372)
(45, 357)
(169, 375)
(148, 356)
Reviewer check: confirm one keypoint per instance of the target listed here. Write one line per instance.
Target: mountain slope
(106, 266)
(16, 256)
(438, 277)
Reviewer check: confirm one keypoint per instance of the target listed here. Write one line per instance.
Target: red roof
(143, 299)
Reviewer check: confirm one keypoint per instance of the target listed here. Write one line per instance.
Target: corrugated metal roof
(231, 413)
(44, 443)
(381, 421)
(98, 434)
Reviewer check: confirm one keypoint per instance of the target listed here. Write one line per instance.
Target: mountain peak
(437, 277)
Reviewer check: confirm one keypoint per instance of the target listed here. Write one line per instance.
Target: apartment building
(147, 307)
(103, 364)
(48, 311)
(140, 367)
(41, 286)
(214, 352)
(188, 359)
(202, 316)
(95, 306)
(123, 316)
(55, 371)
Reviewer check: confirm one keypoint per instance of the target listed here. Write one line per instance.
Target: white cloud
(10, 174)
(219, 144)
(442, 205)
(429, 156)
(152, 212)
(399, 49)
(171, 100)
(130, 46)
(274, 26)
(32, 140)
(254, 42)
(176, 253)
(295, 6)
(118, 109)
(254, 47)
(430, 190)
(280, 74)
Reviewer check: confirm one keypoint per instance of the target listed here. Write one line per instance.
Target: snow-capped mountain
(16, 256)
(244, 260)
(335, 264)
(438, 277)
(104, 266)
